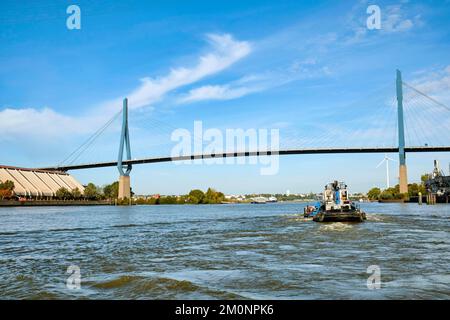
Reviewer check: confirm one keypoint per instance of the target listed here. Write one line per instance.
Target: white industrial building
(38, 183)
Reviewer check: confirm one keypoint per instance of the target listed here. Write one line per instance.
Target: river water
(237, 251)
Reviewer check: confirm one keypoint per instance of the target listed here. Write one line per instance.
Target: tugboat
(335, 206)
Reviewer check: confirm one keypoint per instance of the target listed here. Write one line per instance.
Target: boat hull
(339, 216)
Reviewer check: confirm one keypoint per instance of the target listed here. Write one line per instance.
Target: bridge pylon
(403, 177)
(124, 178)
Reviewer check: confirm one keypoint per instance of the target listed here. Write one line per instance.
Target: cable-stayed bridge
(412, 121)
(247, 154)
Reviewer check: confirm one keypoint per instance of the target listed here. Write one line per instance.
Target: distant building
(31, 183)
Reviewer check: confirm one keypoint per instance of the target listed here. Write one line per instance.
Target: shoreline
(66, 203)
(54, 203)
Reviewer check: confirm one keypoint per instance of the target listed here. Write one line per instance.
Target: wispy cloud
(232, 90)
(217, 92)
(394, 19)
(435, 83)
(225, 52)
(298, 69)
(35, 123)
(397, 20)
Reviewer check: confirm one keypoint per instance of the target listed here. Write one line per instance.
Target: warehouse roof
(38, 183)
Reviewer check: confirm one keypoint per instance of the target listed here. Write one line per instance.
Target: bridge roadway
(247, 154)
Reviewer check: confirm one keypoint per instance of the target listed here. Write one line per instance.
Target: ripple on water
(223, 252)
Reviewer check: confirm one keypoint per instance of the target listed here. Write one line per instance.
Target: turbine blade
(382, 161)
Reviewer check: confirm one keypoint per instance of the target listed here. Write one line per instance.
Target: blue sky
(311, 69)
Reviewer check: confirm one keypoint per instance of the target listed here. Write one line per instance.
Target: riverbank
(59, 203)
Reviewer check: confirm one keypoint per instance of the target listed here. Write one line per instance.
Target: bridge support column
(124, 187)
(124, 179)
(403, 176)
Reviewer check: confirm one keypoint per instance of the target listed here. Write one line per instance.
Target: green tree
(212, 196)
(386, 195)
(141, 201)
(196, 196)
(393, 193)
(76, 194)
(168, 200)
(63, 194)
(123, 202)
(111, 191)
(374, 193)
(91, 192)
(182, 199)
(424, 178)
(414, 189)
(209, 196)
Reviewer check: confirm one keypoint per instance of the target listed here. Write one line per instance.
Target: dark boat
(438, 185)
(335, 206)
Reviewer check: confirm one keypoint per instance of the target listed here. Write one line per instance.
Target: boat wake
(298, 218)
(335, 226)
(374, 217)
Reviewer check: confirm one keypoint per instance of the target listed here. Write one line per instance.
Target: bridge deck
(247, 154)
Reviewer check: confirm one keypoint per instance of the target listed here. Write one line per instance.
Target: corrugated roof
(31, 169)
(38, 183)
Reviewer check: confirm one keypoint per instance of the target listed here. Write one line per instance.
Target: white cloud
(29, 123)
(435, 83)
(235, 89)
(298, 69)
(395, 20)
(216, 92)
(226, 51)
(32, 123)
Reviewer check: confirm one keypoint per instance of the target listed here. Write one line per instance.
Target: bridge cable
(87, 143)
(431, 119)
(426, 96)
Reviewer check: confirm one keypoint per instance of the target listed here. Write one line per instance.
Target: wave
(156, 287)
(144, 283)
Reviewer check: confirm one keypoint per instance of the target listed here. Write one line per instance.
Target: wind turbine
(386, 159)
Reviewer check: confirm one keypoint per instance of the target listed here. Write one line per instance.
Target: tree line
(91, 192)
(111, 191)
(393, 193)
(195, 196)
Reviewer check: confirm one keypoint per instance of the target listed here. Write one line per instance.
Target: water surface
(237, 251)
